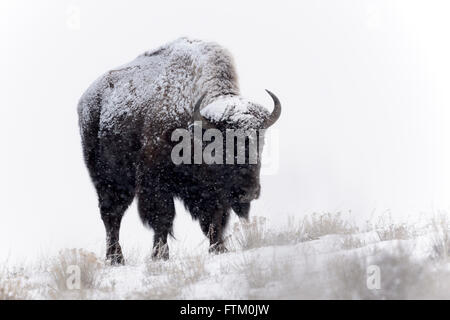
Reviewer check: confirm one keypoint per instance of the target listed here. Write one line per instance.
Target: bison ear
(242, 209)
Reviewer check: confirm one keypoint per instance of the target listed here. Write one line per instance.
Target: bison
(127, 117)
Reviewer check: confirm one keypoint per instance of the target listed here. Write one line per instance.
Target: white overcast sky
(365, 89)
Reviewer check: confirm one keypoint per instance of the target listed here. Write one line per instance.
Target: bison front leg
(214, 229)
(113, 250)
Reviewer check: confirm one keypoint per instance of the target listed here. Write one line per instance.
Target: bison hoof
(218, 248)
(116, 259)
(161, 253)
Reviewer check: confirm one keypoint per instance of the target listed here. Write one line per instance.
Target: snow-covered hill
(321, 257)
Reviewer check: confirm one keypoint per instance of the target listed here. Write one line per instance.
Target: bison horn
(197, 115)
(275, 113)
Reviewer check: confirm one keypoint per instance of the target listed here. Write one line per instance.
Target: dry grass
(291, 233)
(12, 287)
(318, 225)
(261, 275)
(302, 269)
(250, 234)
(351, 242)
(388, 230)
(401, 276)
(168, 279)
(345, 277)
(62, 269)
(260, 272)
(440, 226)
(255, 233)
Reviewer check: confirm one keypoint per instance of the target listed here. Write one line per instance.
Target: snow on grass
(440, 226)
(12, 286)
(68, 262)
(323, 256)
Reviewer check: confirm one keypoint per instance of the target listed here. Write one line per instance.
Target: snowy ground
(320, 257)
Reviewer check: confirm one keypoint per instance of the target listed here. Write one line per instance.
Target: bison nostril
(249, 194)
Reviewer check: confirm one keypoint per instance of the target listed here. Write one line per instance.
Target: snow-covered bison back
(126, 119)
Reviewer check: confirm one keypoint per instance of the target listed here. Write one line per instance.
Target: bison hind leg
(157, 210)
(113, 202)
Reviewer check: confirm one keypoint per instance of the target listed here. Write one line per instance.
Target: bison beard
(126, 119)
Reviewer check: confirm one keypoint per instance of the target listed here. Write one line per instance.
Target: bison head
(242, 125)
